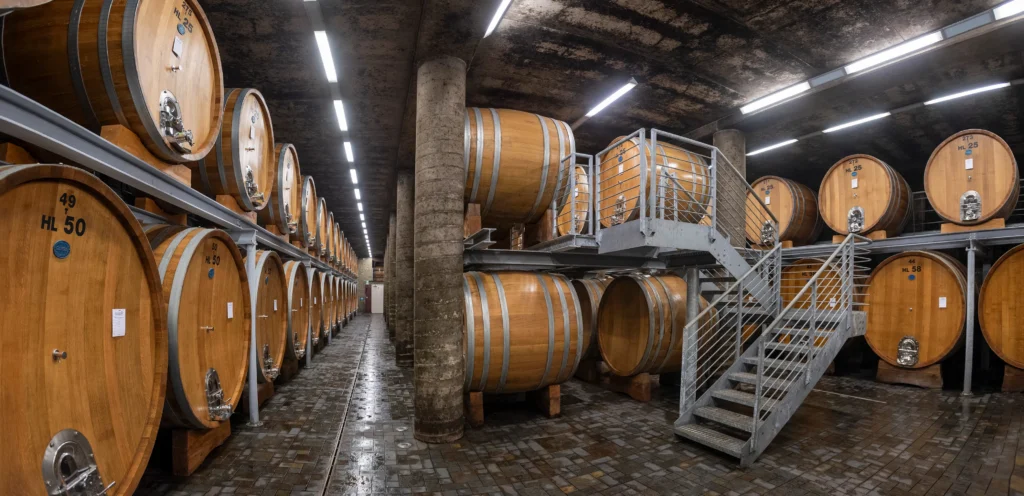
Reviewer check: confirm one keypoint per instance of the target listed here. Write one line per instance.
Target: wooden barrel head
(916, 299)
(79, 277)
(589, 292)
(282, 211)
(331, 240)
(570, 222)
(207, 296)
(972, 163)
(271, 315)
(797, 274)
(252, 146)
(793, 205)
(324, 242)
(298, 308)
(861, 184)
(1001, 307)
(308, 211)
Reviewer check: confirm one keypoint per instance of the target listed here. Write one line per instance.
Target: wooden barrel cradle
(282, 211)
(794, 206)
(861, 194)
(972, 178)
(316, 306)
(271, 315)
(151, 66)
(589, 292)
(916, 306)
(83, 344)
(207, 296)
(324, 242)
(1001, 307)
(513, 163)
(298, 310)
(242, 163)
(307, 214)
(640, 324)
(570, 222)
(682, 179)
(524, 331)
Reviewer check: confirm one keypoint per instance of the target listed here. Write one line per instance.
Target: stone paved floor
(852, 436)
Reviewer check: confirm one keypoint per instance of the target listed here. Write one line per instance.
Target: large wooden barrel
(796, 275)
(524, 331)
(132, 63)
(282, 211)
(1001, 307)
(316, 306)
(861, 194)
(513, 163)
(298, 310)
(972, 178)
(271, 315)
(332, 242)
(916, 305)
(640, 324)
(339, 247)
(328, 291)
(570, 222)
(207, 296)
(589, 292)
(307, 214)
(6, 6)
(324, 241)
(83, 341)
(682, 179)
(242, 164)
(794, 206)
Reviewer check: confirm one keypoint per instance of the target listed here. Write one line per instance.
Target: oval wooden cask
(107, 62)
(513, 163)
(866, 189)
(271, 315)
(282, 211)
(298, 310)
(972, 164)
(684, 183)
(331, 240)
(207, 297)
(797, 274)
(905, 298)
(339, 247)
(523, 331)
(323, 241)
(316, 307)
(794, 206)
(1001, 307)
(640, 324)
(589, 292)
(328, 303)
(307, 214)
(62, 285)
(575, 222)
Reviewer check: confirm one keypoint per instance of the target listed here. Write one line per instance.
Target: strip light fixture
(339, 110)
(352, 174)
(361, 217)
(894, 52)
(360, 206)
(772, 147)
(325, 55)
(500, 13)
(614, 96)
(348, 152)
(776, 97)
(357, 194)
(857, 122)
(962, 94)
(1008, 9)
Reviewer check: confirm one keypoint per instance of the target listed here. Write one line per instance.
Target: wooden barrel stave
(324, 241)
(298, 310)
(271, 315)
(589, 292)
(973, 160)
(794, 205)
(999, 307)
(880, 193)
(307, 214)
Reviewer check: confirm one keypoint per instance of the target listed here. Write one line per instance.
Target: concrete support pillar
(404, 233)
(439, 304)
(389, 289)
(731, 187)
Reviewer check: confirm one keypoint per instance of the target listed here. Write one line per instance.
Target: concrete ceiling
(696, 60)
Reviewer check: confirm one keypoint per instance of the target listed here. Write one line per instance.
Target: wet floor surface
(851, 436)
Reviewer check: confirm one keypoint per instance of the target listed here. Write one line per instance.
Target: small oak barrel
(972, 178)
(640, 324)
(916, 305)
(682, 180)
(307, 214)
(316, 307)
(83, 341)
(282, 211)
(570, 222)
(323, 241)
(861, 194)
(242, 163)
(513, 163)
(298, 310)
(132, 63)
(271, 315)
(588, 293)
(207, 296)
(524, 331)
(1001, 307)
(794, 206)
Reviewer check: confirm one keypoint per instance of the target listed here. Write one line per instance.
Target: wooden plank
(475, 408)
(189, 448)
(150, 205)
(472, 223)
(637, 387)
(927, 377)
(984, 226)
(125, 139)
(548, 400)
(232, 204)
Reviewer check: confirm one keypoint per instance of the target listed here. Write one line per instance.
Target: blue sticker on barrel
(911, 277)
(210, 273)
(61, 249)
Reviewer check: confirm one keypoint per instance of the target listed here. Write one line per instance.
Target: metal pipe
(969, 345)
(689, 377)
(309, 333)
(253, 279)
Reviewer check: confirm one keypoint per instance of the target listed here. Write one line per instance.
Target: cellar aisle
(868, 439)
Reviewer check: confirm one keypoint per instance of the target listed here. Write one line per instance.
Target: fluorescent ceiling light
(339, 109)
(497, 17)
(360, 206)
(352, 174)
(364, 225)
(776, 97)
(1008, 9)
(967, 93)
(614, 96)
(857, 122)
(325, 55)
(348, 152)
(767, 148)
(361, 217)
(895, 52)
(364, 232)
(357, 194)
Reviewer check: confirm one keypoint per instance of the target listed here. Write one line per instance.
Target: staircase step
(734, 396)
(712, 439)
(749, 378)
(726, 417)
(718, 279)
(787, 347)
(775, 364)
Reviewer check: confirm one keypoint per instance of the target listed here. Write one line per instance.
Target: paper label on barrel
(117, 319)
(832, 302)
(767, 200)
(969, 164)
(620, 168)
(300, 302)
(853, 183)
(176, 48)
(942, 302)
(231, 310)
(275, 305)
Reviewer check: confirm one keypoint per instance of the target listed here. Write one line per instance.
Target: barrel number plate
(218, 408)
(69, 466)
(906, 352)
(970, 206)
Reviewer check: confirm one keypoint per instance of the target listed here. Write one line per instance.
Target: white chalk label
(767, 200)
(231, 310)
(117, 319)
(969, 164)
(853, 183)
(942, 302)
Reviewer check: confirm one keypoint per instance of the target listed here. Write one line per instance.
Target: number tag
(275, 305)
(942, 302)
(231, 310)
(117, 319)
(969, 164)
(767, 200)
(853, 183)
